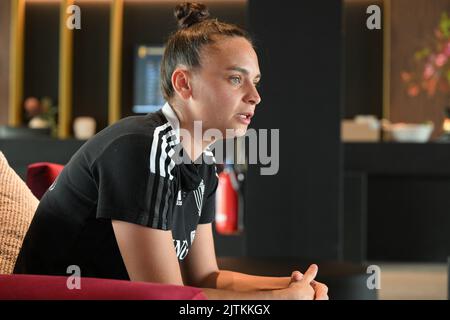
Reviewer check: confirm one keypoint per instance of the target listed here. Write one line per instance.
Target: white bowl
(403, 132)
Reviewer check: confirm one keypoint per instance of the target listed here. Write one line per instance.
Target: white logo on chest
(192, 236)
(179, 199)
(198, 195)
(181, 248)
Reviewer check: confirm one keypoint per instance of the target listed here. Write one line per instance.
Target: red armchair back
(37, 287)
(41, 175)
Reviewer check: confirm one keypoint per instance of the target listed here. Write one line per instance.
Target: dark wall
(362, 61)
(91, 63)
(41, 53)
(297, 211)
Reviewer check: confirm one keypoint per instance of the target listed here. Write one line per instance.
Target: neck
(194, 146)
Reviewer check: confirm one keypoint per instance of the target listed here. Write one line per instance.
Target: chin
(236, 130)
(237, 133)
(234, 133)
(240, 132)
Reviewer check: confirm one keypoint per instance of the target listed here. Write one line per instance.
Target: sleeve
(209, 207)
(128, 188)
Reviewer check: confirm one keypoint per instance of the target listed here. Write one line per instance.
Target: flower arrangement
(432, 63)
(41, 114)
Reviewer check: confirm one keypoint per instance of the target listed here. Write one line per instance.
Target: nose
(252, 97)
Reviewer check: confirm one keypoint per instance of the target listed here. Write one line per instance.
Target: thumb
(311, 273)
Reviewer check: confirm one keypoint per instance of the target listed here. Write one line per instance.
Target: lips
(245, 115)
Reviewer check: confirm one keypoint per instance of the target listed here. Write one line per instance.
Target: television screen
(147, 81)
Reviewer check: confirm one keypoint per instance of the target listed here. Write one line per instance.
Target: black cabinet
(397, 202)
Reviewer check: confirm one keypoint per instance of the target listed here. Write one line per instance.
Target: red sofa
(34, 287)
(39, 287)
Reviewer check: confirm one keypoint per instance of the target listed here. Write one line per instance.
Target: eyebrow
(243, 70)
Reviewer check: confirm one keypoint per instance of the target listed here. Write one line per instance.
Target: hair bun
(190, 13)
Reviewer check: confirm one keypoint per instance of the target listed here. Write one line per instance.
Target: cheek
(224, 107)
(220, 103)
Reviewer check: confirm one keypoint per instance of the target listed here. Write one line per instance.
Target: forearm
(240, 282)
(220, 294)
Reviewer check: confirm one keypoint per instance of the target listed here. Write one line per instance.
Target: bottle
(229, 203)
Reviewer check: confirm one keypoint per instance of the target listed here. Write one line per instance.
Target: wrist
(279, 294)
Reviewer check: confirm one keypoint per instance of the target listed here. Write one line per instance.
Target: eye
(256, 84)
(235, 80)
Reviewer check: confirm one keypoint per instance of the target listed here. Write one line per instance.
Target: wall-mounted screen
(147, 80)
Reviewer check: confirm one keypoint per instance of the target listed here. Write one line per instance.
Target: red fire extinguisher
(229, 203)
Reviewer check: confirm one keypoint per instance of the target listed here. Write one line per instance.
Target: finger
(321, 291)
(322, 297)
(316, 283)
(311, 273)
(318, 286)
(296, 276)
(311, 296)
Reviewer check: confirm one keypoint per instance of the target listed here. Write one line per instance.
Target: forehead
(230, 51)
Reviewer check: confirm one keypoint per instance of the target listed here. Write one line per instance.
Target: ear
(181, 83)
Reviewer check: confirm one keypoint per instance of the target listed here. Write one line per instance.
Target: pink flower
(428, 72)
(440, 60)
(447, 49)
(33, 106)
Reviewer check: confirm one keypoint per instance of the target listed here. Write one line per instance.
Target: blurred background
(360, 91)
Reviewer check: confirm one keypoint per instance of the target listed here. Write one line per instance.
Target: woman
(124, 201)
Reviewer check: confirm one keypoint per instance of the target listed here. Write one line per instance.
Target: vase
(84, 127)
